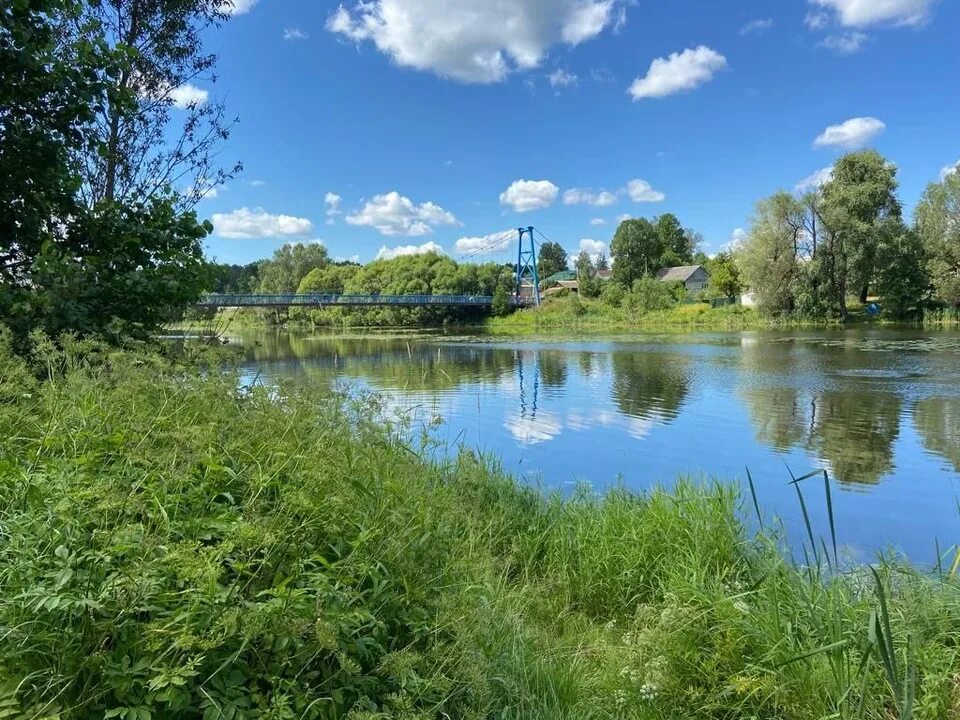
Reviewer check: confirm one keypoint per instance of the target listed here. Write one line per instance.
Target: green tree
(68, 264)
(901, 279)
(938, 223)
(552, 259)
(855, 204)
(768, 258)
(725, 276)
(142, 143)
(636, 250)
(587, 280)
(329, 279)
(289, 265)
(501, 301)
(676, 244)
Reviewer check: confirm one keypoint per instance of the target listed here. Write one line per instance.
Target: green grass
(175, 545)
(584, 314)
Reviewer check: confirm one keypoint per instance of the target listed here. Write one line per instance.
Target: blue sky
(402, 125)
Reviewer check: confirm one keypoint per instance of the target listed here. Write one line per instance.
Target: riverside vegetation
(176, 544)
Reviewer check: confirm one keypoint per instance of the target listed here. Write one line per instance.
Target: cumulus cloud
(387, 253)
(846, 43)
(561, 78)
(586, 196)
(757, 26)
(637, 190)
(394, 214)
(642, 192)
(188, 95)
(815, 181)
(737, 236)
(862, 13)
(293, 34)
(949, 170)
(625, 216)
(678, 73)
(493, 242)
(852, 134)
(594, 248)
(237, 7)
(526, 195)
(257, 183)
(476, 41)
(249, 224)
(598, 221)
(331, 204)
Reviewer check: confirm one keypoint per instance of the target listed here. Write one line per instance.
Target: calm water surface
(879, 409)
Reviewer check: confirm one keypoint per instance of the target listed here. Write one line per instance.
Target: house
(567, 280)
(694, 277)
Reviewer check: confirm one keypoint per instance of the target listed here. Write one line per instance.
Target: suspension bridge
(526, 289)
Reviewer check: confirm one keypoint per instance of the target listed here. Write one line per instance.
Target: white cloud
(188, 95)
(237, 7)
(852, 134)
(561, 78)
(815, 181)
(478, 41)
(679, 72)
(586, 196)
(386, 253)
(737, 236)
(331, 203)
(493, 242)
(251, 224)
(257, 183)
(949, 170)
(594, 248)
(292, 34)
(598, 221)
(862, 13)
(642, 192)
(757, 26)
(526, 195)
(625, 216)
(394, 214)
(817, 20)
(846, 43)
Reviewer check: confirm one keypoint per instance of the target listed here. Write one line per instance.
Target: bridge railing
(323, 300)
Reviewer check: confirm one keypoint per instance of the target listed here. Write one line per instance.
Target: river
(879, 409)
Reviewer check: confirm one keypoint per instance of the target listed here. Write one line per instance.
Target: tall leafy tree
(855, 204)
(289, 265)
(938, 223)
(159, 129)
(552, 259)
(901, 278)
(676, 243)
(589, 283)
(68, 263)
(636, 250)
(768, 258)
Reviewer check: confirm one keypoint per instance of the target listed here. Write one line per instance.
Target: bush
(650, 294)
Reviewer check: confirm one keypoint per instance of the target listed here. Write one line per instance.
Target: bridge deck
(322, 300)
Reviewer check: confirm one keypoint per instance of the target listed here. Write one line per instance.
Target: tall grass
(175, 545)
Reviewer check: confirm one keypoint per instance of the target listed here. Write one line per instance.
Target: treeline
(809, 256)
(308, 268)
(99, 171)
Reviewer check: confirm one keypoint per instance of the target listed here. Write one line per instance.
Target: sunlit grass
(175, 545)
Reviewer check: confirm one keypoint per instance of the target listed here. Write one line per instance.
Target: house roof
(679, 274)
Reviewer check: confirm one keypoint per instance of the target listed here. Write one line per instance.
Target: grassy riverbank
(175, 545)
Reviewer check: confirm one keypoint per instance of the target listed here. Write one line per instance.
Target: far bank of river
(878, 408)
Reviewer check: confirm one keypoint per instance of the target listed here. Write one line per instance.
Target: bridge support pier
(527, 267)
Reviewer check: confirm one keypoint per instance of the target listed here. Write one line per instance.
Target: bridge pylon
(527, 266)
